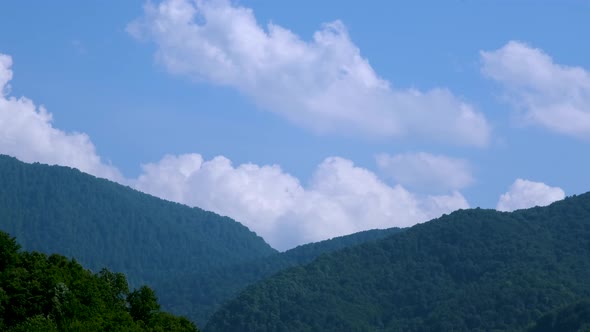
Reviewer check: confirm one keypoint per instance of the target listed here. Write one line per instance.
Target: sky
(305, 120)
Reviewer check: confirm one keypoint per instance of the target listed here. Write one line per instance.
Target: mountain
(53, 209)
(41, 293)
(472, 270)
(204, 293)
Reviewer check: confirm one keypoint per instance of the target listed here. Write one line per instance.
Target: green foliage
(40, 293)
(473, 270)
(37, 323)
(102, 224)
(143, 304)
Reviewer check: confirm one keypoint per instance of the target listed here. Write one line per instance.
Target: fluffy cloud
(426, 172)
(323, 84)
(340, 198)
(525, 194)
(551, 95)
(26, 132)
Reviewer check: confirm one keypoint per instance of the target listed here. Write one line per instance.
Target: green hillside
(103, 224)
(51, 293)
(204, 293)
(473, 270)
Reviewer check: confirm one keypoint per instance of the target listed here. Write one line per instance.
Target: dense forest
(204, 293)
(472, 270)
(51, 293)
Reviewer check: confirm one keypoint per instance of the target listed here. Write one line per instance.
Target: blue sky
(139, 94)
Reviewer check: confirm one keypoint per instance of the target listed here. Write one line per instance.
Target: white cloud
(26, 132)
(549, 94)
(426, 172)
(340, 198)
(323, 84)
(525, 194)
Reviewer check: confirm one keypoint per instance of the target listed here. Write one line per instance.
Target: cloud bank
(340, 198)
(548, 94)
(323, 84)
(27, 133)
(524, 194)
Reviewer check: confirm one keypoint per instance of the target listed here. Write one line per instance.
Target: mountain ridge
(471, 270)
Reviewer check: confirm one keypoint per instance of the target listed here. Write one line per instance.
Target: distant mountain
(54, 209)
(473, 270)
(51, 293)
(204, 293)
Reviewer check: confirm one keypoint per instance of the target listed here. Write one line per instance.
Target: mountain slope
(204, 293)
(103, 224)
(473, 270)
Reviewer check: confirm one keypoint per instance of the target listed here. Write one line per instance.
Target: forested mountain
(473, 270)
(204, 293)
(101, 223)
(51, 293)
(54, 209)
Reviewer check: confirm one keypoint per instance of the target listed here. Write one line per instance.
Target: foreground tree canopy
(52, 293)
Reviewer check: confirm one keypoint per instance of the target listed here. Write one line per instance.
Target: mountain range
(471, 270)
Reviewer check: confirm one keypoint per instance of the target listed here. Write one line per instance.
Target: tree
(8, 250)
(143, 303)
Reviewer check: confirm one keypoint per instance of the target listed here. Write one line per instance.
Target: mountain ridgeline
(53, 209)
(472, 270)
(56, 209)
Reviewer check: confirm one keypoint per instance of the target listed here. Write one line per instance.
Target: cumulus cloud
(552, 95)
(339, 199)
(525, 194)
(323, 84)
(426, 172)
(27, 133)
